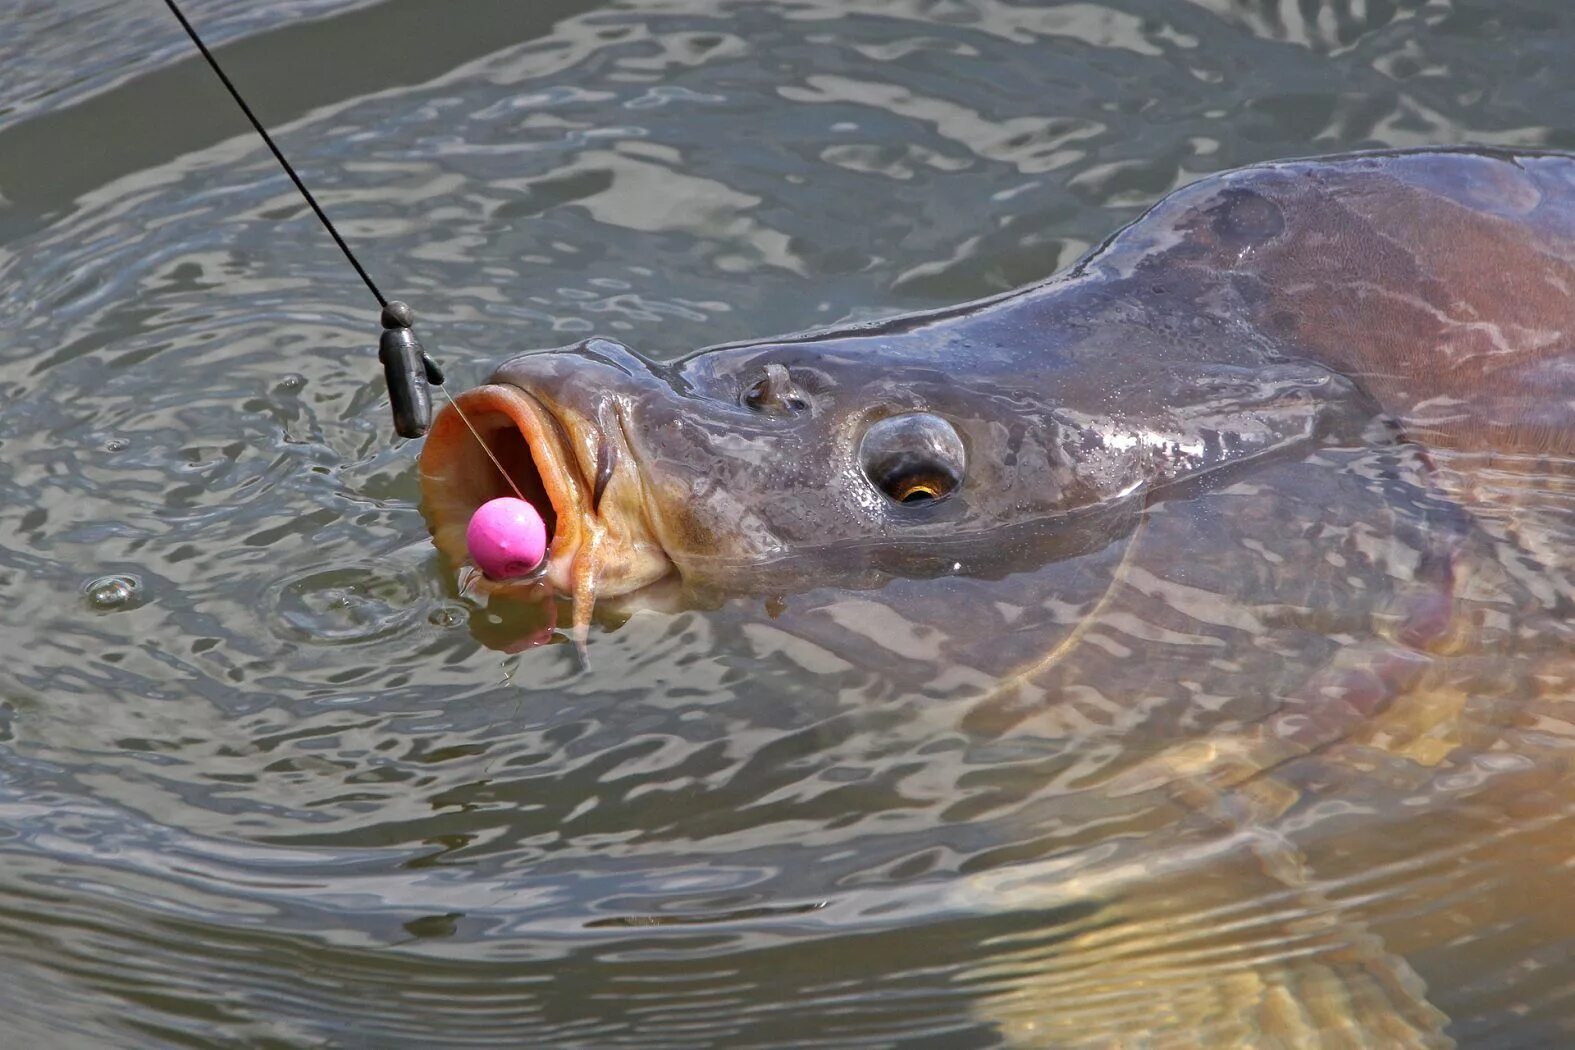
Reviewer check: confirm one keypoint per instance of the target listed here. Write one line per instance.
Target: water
(260, 783)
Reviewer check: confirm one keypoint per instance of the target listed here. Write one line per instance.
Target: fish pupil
(912, 487)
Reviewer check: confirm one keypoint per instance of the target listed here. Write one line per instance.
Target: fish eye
(913, 459)
(775, 393)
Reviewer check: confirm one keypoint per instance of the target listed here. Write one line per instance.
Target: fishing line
(484, 446)
(322, 216)
(407, 367)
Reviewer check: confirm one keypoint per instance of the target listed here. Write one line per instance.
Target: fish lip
(457, 476)
(601, 542)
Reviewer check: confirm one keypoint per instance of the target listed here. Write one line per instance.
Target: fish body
(1257, 521)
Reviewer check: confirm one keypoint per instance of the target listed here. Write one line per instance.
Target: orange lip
(501, 440)
(527, 441)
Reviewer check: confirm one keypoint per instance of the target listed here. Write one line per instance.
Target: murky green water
(260, 784)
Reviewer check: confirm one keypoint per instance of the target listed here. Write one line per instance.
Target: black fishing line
(278, 155)
(407, 368)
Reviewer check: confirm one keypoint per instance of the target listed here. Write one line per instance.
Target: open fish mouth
(575, 467)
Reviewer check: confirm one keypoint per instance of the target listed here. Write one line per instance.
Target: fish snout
(582, 375)
(549, 427)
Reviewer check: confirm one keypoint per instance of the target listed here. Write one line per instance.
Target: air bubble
(448, 615)
(114, 593)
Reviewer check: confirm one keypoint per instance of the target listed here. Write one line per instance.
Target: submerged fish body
(1255, 522)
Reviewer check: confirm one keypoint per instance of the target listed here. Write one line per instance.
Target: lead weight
(406, 374)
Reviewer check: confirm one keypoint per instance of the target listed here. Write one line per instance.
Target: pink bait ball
(507, 538)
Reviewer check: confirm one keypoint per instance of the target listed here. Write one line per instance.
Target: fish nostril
(775, 393)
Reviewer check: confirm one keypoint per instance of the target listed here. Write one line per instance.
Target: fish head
(838, 460)
(979, 439)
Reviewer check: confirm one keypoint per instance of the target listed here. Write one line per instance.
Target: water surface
(262, 784)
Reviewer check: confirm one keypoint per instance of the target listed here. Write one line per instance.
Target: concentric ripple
(267, 779)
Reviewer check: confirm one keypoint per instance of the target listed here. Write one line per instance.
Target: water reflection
(280, 793)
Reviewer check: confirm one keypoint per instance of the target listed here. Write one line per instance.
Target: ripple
(345, 604)
(296, 775)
